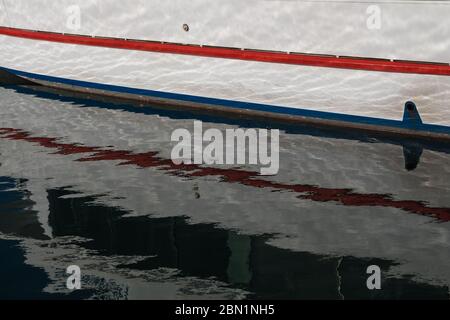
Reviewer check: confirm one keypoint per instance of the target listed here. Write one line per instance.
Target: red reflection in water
(248, 178)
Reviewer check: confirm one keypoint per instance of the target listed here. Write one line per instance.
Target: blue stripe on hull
(420, 127)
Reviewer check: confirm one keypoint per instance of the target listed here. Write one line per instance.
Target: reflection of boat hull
(213, 72)
(376, 210)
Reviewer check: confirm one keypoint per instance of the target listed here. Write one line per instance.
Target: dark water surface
(88, 182)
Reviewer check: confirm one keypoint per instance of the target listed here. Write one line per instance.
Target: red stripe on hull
(304, 59)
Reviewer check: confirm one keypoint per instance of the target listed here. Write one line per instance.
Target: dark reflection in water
(219, 256)
(21, 281)
(16, 215)
(198, 250)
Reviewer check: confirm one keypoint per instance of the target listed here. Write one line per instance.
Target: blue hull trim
(405, 124)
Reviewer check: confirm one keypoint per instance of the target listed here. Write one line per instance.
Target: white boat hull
(338, 29)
